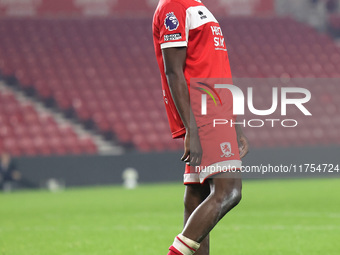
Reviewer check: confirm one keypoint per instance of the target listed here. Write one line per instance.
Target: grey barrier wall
(166, 166)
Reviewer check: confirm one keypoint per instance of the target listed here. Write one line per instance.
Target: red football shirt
(188, 23)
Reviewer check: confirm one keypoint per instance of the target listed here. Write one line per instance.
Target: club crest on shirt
(171, 22)
(226, 149)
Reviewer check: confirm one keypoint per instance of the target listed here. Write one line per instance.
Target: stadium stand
(24, 131)
(103, 72)
(334, 24)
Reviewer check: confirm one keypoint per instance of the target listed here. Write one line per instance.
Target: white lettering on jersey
(218, 39)
(219, 42)
(216, 30)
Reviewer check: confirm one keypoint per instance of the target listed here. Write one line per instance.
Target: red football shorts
(220, 153)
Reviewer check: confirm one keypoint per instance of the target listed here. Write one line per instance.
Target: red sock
(173, 251)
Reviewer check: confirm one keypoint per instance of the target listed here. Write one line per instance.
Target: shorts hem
(191, 178)
(211, 175)
(188, 183)
(229, 165)
(179, 133)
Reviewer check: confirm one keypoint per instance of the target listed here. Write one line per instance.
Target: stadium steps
(104, 147)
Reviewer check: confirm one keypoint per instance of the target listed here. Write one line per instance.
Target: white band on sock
(189, 242)
(185, 245)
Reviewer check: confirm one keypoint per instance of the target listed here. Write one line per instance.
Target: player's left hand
(243, 143)
(192, 149)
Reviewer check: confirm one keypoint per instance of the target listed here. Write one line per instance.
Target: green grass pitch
(287, 217)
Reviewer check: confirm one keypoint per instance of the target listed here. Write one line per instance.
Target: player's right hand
(192, 149)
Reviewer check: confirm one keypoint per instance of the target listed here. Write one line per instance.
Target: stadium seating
(334, 24)
(23, 131)
(104, 70)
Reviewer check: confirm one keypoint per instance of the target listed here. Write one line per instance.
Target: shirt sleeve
(173, 26)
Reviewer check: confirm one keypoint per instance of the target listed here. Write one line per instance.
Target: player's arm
(243, 143)
(174, 63)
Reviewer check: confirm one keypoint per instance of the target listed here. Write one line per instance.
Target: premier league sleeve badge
(171, 22)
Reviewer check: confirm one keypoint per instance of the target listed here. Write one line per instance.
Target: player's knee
(236, 196)
(228, 199)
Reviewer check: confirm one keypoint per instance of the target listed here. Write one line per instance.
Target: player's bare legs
(225, 194)
(194, 195)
